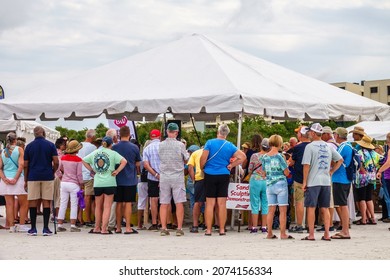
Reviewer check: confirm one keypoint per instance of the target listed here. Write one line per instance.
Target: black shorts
(125, 193)
(365, 193)
(104, 190)
(340, 194)
(199, 192)
(216, 185)
(317, 196)
(153, 188)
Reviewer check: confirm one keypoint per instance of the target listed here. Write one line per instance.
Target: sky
(43, 41)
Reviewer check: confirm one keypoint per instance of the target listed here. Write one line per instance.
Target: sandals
(308, 239)
(360, 223)
(371, 222)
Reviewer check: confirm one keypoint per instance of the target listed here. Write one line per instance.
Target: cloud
(318, 38)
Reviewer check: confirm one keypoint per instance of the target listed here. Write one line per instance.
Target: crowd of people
(315, 173)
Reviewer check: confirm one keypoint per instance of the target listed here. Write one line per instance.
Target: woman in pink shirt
(72, 180)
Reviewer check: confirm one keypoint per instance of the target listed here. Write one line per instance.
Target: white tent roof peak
(195, 75)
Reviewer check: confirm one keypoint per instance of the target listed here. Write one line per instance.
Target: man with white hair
(88, 148)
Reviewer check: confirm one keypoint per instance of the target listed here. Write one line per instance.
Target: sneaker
(179, 232)
(164, 232)
(254, 230)
(12, 229)
(32, 232)
(46, 232)
(23, 228)
(89, 224)
(264, 230)
(296, 229)
(61, 229)
(386, 220)
(74, 229)
(153, 227)
(202, 226)
(194, 229)
(323, 229)
(171, 226)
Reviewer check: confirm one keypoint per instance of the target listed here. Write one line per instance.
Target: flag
(1, 93)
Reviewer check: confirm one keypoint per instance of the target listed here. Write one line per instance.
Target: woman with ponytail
(12, 182)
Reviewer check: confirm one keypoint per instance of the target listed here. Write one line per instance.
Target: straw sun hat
(366, 142)
(358, 130)
(73, 147)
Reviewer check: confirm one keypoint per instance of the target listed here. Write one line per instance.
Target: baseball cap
(155, 133)
(327, 129)
(172, 127)
(303, 129)
(108, 140)
(265, 143)
(342, 132)
(316, 127)
(193, 148)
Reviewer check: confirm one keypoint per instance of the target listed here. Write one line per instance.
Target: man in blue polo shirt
(40, 163)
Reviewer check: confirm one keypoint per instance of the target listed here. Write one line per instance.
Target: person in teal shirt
(102, 162)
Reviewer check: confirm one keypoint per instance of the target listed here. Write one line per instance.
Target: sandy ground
(368, 243)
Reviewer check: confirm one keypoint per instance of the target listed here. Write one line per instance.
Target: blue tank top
(10, 168)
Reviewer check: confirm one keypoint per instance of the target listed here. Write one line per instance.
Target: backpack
(353, 168)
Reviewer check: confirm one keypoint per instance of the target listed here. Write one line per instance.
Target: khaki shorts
(57, 197)
(40, 190)
(299, 195)
(175, 189)
(88, 187)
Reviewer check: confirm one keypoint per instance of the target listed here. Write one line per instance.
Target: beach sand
(369, 242)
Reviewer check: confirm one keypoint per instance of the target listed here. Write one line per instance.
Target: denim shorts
(277, 194)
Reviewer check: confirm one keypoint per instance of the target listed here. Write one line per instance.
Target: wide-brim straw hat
(366, 142)
(73, 147)
(358, 130)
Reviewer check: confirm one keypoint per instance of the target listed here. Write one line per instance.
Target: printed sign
(238, 197)
(117, 124)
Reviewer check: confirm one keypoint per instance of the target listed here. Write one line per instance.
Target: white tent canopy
(377, 130)
(26, 129)
(192, 75)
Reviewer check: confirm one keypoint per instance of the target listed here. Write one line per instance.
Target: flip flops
(308, 239)
(131, 232)
(272, 237)
(93, 232)
(105, 233)
(288, 237)
(325, 239)
(339, 236)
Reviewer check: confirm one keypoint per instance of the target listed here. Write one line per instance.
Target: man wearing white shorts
(173, 156)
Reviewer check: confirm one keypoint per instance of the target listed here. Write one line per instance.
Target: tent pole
(236, 175)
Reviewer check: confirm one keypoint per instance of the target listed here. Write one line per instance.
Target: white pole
(236, 175)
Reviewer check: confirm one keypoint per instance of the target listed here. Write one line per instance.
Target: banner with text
(117, 124)
(238, 197)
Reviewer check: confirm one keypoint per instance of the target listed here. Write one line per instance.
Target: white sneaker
(12, 229)
(23, 228)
